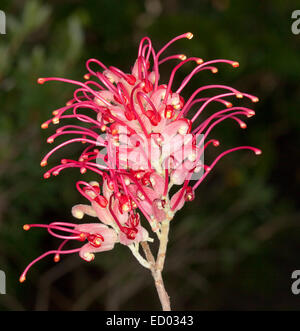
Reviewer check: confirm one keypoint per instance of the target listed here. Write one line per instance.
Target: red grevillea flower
(141, 138)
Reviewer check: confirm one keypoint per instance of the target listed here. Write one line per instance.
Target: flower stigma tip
(56, 258)
(41, 80)
(189, 35)
(22, 279)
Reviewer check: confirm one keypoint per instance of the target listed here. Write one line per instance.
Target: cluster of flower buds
(141, 139)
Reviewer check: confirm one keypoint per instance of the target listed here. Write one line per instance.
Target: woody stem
(157, 266)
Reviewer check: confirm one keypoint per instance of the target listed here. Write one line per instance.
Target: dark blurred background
(237, 244)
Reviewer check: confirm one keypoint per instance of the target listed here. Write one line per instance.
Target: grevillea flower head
(141, 138)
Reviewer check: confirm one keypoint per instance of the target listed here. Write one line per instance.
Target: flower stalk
(157, 266)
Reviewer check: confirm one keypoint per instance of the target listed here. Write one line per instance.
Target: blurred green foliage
(236, 245)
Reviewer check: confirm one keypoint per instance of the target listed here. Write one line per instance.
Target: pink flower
(141, 139)
(98, 238)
